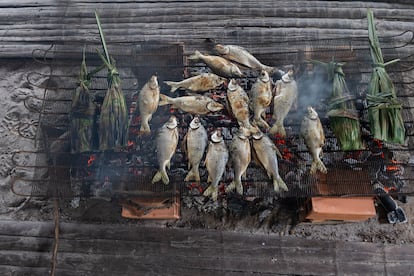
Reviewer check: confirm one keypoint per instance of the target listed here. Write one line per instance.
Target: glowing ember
(91, 159)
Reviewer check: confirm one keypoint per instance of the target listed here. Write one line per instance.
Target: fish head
(172, 122)
(221, 49)
(243, 133)
(288, 77)
(153, 82)
(216, 136)
(214, 106)
(195, 123)
(311, 113)
(264, 76)
(232, 86)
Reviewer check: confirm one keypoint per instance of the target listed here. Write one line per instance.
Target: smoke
(314, 90)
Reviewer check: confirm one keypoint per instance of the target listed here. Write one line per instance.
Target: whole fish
(195, 143)
(218, 65)
(240, 155)
(261, 98)
(242, 56)
(312, 132)
(239, 104)
(148, 99)
(167, 140)
(198, 105)
(265, 152)
(200, 83)
(286, 92)
(216, 160)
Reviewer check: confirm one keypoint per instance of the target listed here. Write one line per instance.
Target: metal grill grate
(58, 172)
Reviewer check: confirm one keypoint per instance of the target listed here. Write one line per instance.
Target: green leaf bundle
(82, 114)
(343, 116)
(113, 122)
(384, 110)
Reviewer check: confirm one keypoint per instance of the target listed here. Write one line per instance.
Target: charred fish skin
(286, 92)
(266, 151)
(195, 143)
(312, 132)
(261, 98)
(239, 104)
(216, 160)
(166, 141)
(240, 155)
(201, 83)
(197, 105)
(148, 100)
(242, 56)
(218, 65)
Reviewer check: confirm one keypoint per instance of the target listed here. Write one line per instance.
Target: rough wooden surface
(89, 249)
(27, 25)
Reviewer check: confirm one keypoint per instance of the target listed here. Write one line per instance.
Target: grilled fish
(265, 152)
(242, 56)
(240, 155)
(216, 160)
(148, 99)
(261, 98)
(286, 92)
(167, 140)
(218, 65)
(239, 104)
(200, 83)
(312, 132)
(198, 105)
(195, 143)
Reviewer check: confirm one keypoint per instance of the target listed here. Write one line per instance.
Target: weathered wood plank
(94, 248)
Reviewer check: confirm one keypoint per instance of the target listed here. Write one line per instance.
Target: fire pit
(125, 175)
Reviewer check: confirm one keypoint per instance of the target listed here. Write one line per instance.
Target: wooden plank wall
(26, 25)
(107, 250)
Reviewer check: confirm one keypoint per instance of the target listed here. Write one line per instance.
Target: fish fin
(174, 85)
(277, 151)
(278, 184)
(195, 56)
(209, 180)
(164, 100)
(212, 191)
(193, 175)
(168, 165)
(261, 123)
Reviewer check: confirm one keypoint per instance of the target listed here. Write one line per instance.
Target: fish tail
(157, 177)
(278, 128)
(195, 56)
(235, 185)
(174, 85)
(193, 175)
(161, 175)
(145, 128)
(278, 184)
(164, 100)
(212, 191)
(318, 165)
